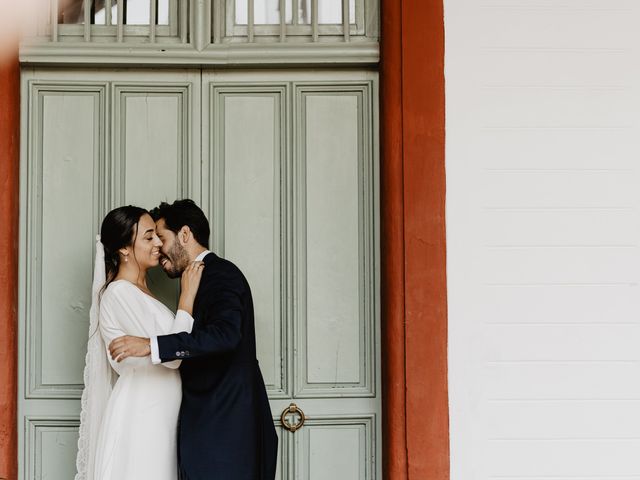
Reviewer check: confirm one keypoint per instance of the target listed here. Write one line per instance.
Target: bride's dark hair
(119, 229)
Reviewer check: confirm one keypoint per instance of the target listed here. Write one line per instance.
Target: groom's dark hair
(181, 213)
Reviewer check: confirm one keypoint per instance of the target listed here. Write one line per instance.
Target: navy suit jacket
(226, 429)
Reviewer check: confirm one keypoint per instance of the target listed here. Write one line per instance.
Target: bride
(128, 427)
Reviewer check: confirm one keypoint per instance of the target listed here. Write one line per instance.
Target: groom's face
(174, 258)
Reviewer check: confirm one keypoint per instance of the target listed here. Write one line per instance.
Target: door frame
(413, 250)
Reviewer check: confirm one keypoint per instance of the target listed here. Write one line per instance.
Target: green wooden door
(285, 165)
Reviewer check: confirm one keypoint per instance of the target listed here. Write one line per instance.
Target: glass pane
(330, 11)
(101, 15)
(136, 12)
(265, 12)
(241, 12)
(72, 12)
(163, 12)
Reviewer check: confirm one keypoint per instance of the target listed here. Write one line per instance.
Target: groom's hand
(128, 346)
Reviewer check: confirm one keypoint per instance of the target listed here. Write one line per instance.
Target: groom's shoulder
(220, 264)
(222, 268)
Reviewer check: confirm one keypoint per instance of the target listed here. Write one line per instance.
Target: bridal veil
(98, 378)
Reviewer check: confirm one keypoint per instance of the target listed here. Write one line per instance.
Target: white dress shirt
(155, 350)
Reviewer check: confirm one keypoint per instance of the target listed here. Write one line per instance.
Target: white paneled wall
(543, 220)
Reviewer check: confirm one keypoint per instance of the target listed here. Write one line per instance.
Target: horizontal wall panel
(555, 106)
(561, 265)
(561, 380)
(557, 190)
(547, 343)
(581, 228)
(556, 304)
(548, 66)
(561, 419)
(538, 149)
(572, 458)
(530, 25)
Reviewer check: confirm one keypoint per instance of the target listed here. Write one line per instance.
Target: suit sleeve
(220, 327)
(182, 323)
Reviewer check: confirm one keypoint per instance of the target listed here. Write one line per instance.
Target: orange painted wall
(416, 423)
(9, 179)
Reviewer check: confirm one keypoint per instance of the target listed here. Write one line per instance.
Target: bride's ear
(124, 254)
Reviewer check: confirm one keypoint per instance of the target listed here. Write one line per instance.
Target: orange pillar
(392, 245)
(9, 179)
(416, 413)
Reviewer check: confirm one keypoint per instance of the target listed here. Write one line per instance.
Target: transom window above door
(212, 31)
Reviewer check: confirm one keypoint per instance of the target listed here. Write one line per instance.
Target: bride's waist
(152, 372)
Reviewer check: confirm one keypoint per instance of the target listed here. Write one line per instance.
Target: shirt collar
(200, 257)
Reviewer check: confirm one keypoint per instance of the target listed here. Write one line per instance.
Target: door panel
(334, 164)
(63, 165)
(156, 149)
(334, 448)
(330, 136)
(52, 448)
(151, 142)
(287, 173)
(65, 154)
(57, 226)
(249, 158)
(293, 194)
(74, 166)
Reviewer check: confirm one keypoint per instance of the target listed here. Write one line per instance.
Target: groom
(226, 431)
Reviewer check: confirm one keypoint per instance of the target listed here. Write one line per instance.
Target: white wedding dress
(138, 432)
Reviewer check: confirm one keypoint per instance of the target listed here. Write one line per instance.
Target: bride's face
(147, 244)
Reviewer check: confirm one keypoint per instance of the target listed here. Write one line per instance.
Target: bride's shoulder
(118, 289)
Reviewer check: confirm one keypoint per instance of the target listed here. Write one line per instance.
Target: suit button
(177, 354)
(187, 353)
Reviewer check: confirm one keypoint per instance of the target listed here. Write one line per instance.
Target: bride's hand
(189, 283)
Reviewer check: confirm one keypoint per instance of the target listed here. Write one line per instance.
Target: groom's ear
(184, 234)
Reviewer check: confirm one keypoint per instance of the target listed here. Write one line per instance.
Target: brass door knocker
(295, 412)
